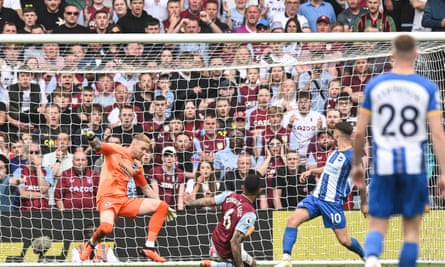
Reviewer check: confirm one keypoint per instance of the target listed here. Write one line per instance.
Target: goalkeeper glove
(90, 135)
(171, 215)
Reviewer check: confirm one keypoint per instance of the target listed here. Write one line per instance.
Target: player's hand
(364, 210)
(171, 215)
(358, 176)
(304, 176)
(442, 186)
(88, 133)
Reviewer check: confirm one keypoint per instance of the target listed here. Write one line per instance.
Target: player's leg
(158, 210)
(410, 249)
(412, 211)
(107, 219)
(374, 240)
(349, 242)
(306, 210)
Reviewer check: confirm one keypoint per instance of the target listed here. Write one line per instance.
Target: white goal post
(186, 240)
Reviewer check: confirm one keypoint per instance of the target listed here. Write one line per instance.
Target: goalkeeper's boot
(206, 263)
(285, 261)
(87, 251)
(151, 254)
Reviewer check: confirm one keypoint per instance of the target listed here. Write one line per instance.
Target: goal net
(216, 99)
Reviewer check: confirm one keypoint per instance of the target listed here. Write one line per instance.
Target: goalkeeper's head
(252, 184)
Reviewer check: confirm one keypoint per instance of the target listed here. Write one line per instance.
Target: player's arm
(201, 202)
(438, 138)
(94, 142)
(149, 192)
(358, 145)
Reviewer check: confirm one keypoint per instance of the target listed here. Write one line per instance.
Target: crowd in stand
(209, 129)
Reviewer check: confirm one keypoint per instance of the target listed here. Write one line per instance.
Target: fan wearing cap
(315, 8)
(323, 24)
(167, 180)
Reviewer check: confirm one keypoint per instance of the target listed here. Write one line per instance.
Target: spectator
(11, 62)
(168, 180)
(157, 8)
(191, 25)
(101, 22)
(36, 181)
(223, 118)
(9, 15)
(237, 15)
(268, 165)
(323, 24)
(50, 14)
(291, 12)
(8, 187)
(303, 124)
(293, 48)
(193, 12)
(354, 84)
(46, 133)
(173, 8)
(346, 108)
(82, 103)
(252, 16)
(287, 96)
(67, 117)
(275, 77)
(144, 94)
(241, 60)
(120, 9)
(233, 180)
(23, 115)
(19, 159)
(51, 59)
(257, 116)
(333, 93)
(9, 28)
(134, 21)
(274, 54)
(112, 112)
(153, 50)
(210, 141)
(91, 11)
(127, 129)
(274, 129)
(209, 16)
(167, 136)
(226, 160)
(316, 81)
(434, 15)
(288, 188)
(402, 13)
(350, 15)
(205, 184)
(320, 151)
(192, 123)
(374, 19)
(313, 9)
(208, 87)
(158, 118)
(70, 17)
(187, 159)
(164, 89)
(76, 187)
(102, 252)
(104, 90)
(419, 7)
(30, 19)
(61, 159)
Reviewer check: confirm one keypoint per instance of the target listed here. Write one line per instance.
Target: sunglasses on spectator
(36, 152)
(72, 13)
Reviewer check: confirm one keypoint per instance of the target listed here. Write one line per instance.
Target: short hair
(405, 47)
(142, 137)
(274, 110)
(101, 11)
(152, 22)
(344, 127)
(29, 10)
(304, 94)
(344, 96)
(252, 184)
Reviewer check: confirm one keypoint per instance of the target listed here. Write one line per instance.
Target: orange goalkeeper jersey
(119, 166)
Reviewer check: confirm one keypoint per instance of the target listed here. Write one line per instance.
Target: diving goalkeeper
(121, 164)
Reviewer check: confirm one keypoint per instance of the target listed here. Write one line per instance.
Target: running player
(328, 197)
(398, 106)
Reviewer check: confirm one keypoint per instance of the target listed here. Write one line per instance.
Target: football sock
(156, 221)
(104, 229)
(373, 244)
(289, 238)
(220, 264)
(356, 247)
(408, 255)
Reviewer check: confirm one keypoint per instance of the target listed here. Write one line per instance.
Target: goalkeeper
(121, 164)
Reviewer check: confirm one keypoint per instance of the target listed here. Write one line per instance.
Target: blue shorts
(331, 212)
(398, 194)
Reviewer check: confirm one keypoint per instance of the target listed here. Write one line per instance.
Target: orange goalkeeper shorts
(125, 207)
